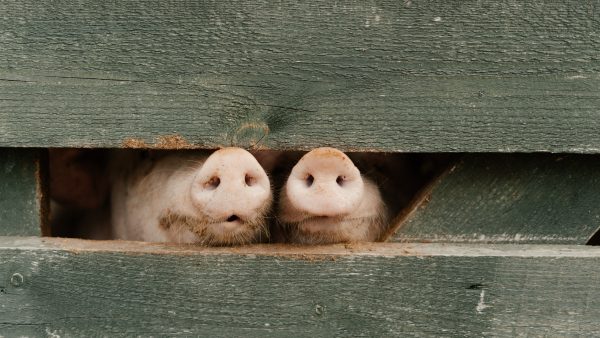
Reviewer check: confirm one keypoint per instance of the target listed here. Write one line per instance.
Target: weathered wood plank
(52, 286)
(23, 203)
(509, 199)
(390, 76)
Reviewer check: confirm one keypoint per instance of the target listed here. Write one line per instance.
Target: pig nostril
(309, 180)
(340, 180)
(232, 218)
(213, 183)
(249, 180)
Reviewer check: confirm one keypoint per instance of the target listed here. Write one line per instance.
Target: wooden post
(23, 195)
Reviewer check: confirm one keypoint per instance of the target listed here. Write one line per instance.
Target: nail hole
(319, 309)
(213, 183)
(476, 286)
(232, 218)
(16, 279)
(250, 181)
(309, 180)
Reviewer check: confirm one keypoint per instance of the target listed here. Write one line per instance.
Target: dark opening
(232, 218)
(595, 239)
(80, 186)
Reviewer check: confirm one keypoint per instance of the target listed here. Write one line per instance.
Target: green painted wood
(387, 75)
(75, 288)
(22, 198)
(509, 199)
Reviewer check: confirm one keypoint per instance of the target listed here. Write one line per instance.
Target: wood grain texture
(510, 199)
(386, 75)
(22, 196)
(417, 290)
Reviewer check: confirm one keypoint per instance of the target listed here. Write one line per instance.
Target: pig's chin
(335, 229)
(230, 233)
(195, 230)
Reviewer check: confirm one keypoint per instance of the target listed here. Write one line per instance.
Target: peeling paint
(574, 77)
(133, 143)
(52, 333)
(481, 305)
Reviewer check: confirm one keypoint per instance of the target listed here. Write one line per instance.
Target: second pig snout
(325, 182)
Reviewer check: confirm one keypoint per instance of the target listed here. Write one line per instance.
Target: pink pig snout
(325, 182)
(231, 186)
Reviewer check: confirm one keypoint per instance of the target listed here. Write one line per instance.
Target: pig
(190, 197)
(78, 178)
(79, 190)
(326, 200)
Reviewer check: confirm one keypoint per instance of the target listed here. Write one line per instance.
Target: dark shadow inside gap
(595, 239)
(80, 181)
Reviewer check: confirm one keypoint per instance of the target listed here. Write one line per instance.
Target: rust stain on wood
(133, 143)
(315, 253)
(173, 142)
(162, 142)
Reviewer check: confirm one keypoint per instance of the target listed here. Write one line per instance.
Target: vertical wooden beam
(23, 195)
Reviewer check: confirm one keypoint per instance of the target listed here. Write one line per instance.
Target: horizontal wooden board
(390, 76)
(79, 288)
(499, 198)
(22, 194)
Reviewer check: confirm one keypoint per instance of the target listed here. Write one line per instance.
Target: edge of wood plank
(301, 252)
(42, 176)
(420, 200)
(23, 192)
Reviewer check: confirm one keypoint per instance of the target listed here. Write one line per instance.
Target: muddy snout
(325, 182)
(231, 187)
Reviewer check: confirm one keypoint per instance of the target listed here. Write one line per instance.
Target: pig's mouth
(232, 230)
(335, 229)
(232, 222)
(233, 218)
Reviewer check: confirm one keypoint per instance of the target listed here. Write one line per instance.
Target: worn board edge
(73, 245)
